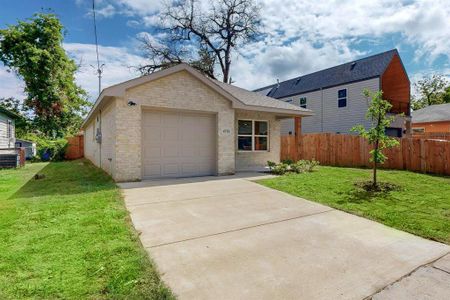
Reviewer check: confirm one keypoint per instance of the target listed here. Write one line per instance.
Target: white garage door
(178, 144)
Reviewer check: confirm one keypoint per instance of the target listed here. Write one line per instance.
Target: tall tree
(431, 90)
(376, 134)
(203, 34)
(33, 49)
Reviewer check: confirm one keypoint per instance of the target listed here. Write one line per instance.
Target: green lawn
(422, 207)
(69, 236)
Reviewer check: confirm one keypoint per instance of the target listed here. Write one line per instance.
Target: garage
(178, 144)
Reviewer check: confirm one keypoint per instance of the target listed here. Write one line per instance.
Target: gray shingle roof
(432, 113)
(256, 99)
(362, 69)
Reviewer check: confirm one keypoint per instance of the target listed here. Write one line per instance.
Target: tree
(33, 50)
(201, 34)
(22, 123)
(432, 90)
(376, 134)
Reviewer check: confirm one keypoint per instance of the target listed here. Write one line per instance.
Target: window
(342, 98)
(9, 130)
(303, 102)
(395, 132)
(253, 135)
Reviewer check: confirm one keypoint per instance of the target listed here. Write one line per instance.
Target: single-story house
(180, 123)
(7, 128)
(433, 118)
(9, 157)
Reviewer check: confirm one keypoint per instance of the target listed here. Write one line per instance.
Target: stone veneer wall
(177, 91)
(254, 161)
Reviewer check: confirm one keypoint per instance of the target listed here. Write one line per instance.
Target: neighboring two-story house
(336, 97)
(7, 132)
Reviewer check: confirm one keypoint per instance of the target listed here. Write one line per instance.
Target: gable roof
(432, 113)
(362, 69)
(255, 99)
(8, 113)
(240, 98)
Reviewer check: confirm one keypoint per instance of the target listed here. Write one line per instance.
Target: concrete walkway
(230, 238)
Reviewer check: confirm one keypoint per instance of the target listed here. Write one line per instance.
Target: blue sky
(302, 36)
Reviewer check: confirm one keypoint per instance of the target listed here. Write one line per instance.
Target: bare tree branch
(202, 36)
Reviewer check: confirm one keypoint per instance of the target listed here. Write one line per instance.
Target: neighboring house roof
(254, 99)
(432, 113)
(240, 98)
(9, 113)
(362, 69)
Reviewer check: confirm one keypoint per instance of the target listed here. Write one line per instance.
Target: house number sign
(226, 131)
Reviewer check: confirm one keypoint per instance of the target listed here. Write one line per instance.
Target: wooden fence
(432, 135)
(75, 147)
(414, 154)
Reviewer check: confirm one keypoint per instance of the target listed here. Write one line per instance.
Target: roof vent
(298, 80)
(352, 66)
(278, 83)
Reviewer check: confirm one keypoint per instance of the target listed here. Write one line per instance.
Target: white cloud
(119, 65)
(11, 86)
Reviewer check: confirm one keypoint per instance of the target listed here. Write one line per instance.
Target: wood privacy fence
(432, 135)
(414, 154)
(75, 147)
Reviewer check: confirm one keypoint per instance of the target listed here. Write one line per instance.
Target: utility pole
(99, 70)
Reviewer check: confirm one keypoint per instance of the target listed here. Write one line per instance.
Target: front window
(253, 135)
(303, 102)
(9, 130)
(342, 98)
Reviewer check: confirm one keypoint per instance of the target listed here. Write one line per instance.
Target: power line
(99, 67)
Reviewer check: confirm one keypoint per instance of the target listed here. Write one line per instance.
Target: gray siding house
(7, 129)
(335, 95)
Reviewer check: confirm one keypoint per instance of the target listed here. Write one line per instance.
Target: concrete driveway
(230, 238)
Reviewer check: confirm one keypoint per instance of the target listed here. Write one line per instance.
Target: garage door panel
(189, 169)
(154, 135)
(152, 169)
(178, 144)
(152, 152)
(187, 151)
(170, 120)
(169, 133)
(170, 169)
(152, 120)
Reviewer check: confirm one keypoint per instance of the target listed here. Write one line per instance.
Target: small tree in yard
(376, 134)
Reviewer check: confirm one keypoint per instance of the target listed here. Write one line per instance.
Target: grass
(421, 206)
(69, 236)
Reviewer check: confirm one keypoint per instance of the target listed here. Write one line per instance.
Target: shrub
(287, 161)
(280, 169)
(300, 166)
(311, 164)
(48, 149)
(271, 165)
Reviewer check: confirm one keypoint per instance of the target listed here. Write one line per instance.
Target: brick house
(179, 123)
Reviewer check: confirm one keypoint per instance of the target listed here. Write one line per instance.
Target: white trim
(253, 136)
(341, 98)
